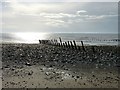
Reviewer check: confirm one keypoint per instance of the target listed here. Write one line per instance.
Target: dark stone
(12, 69)
(63, 61)
(93, 75)
(46, 87)
(77, 76)
(72, 76)
(84, 84)
(7, 66)
(51, 66)
(30, 73)
(28, 64)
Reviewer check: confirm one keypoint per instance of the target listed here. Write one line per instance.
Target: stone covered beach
(47, 66)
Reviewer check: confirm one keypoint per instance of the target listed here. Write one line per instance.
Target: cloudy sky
(64, 16)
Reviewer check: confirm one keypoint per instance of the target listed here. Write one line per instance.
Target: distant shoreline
(43, 44)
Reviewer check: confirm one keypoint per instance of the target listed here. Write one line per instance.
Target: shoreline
(37, 43)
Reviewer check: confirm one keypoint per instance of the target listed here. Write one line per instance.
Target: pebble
(93, 75)
(77, 76)
(28, 64)
(30, 73)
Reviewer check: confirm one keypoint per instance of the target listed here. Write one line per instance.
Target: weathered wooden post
(55, 42)
(78, 47)
(48, 42)
(71, 45)
(68, 44)
(83, 45)
(51, 42)
(60, 40)
(40, 41)
(75, 44)
(64, 45)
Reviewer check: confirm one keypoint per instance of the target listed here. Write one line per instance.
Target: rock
(28, 64)
(7, 66)
(51, 66)
(30, 73)
(93, 75)
(77, 76)
(63, 61)
(84, 84)
(66, 69)
(47, 73)
(47, 87)
(73, 76)
(12, 69)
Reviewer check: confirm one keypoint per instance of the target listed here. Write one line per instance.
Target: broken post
(40, 41)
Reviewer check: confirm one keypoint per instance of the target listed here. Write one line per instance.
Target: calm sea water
(88, 39)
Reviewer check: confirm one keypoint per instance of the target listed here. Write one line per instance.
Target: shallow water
(89, 39)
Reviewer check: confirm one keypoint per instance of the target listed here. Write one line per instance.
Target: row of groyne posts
(67, 44)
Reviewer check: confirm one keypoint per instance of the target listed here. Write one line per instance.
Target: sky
(59, 16)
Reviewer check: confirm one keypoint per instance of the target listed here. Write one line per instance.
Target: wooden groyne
(67, 44)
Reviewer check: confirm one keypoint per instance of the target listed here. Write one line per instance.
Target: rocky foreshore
(47, 66)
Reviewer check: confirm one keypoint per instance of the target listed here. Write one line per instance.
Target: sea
(87, 38)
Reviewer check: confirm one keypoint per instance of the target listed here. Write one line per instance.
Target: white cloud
(37, 8)
(56, 23)
(95, 17)
(55, 19)
(80, 12)
(29, 8)
(31, 16)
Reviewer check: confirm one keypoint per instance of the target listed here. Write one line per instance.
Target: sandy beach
(47, 66)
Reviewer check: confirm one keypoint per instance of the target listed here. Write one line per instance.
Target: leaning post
(83, 45)
(60, 40)
(75, 44)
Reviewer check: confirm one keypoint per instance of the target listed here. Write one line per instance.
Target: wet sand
(45, 66)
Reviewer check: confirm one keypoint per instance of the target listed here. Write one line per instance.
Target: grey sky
(60, 16)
